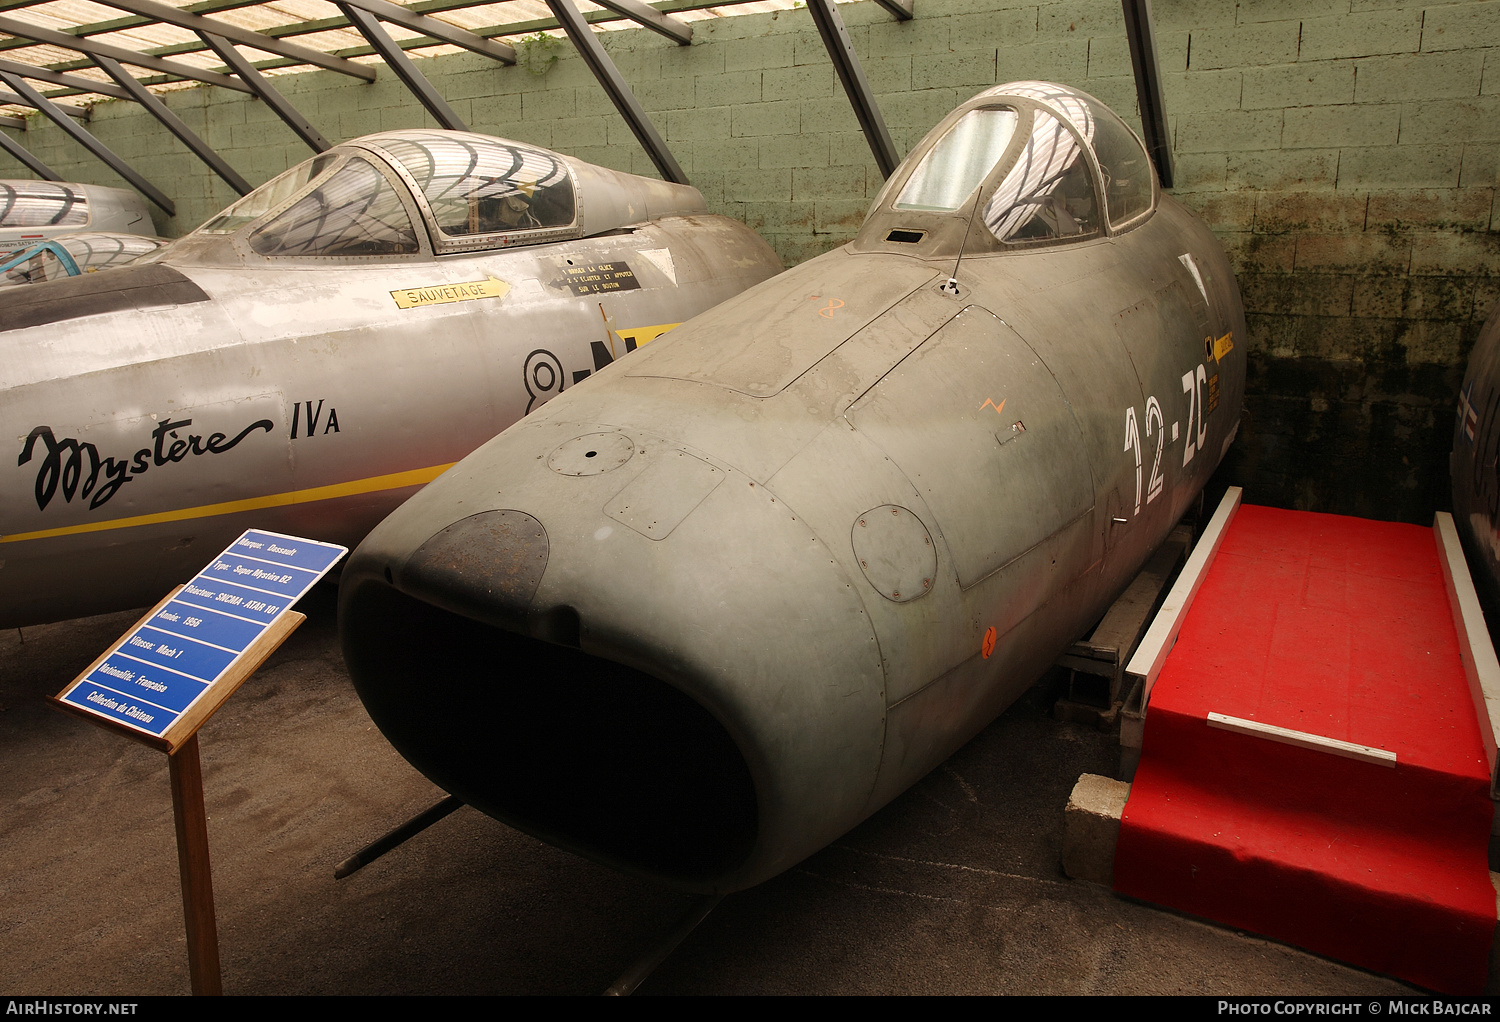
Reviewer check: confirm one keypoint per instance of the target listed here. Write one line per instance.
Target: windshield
(954, 167)
(1048, 193)
(477, 185)
(270, 195)
(354, 211)
(41, 204)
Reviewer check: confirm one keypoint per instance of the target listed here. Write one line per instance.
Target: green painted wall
(1346, 151)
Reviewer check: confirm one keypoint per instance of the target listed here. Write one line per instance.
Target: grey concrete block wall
(1347, 152)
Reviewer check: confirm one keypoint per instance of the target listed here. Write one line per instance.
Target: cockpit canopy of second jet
(1019, 165)
(415, 194)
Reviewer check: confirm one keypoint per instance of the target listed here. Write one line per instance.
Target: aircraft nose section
(485, 567)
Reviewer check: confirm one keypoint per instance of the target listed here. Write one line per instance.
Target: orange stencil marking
(990, 404)
(988, 646)
(827, 311)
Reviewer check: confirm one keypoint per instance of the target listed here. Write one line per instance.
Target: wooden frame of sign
(180, 743)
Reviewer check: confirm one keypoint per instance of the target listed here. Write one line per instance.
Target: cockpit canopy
(1019, 165)
(406, 193)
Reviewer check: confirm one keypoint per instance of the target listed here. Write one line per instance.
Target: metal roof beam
(173, 123)
(167, 67)
(439, 30)
(11, 97)
(78, 134)
(244, 36)
(35, 165)
(1142, 37)
(593, 54)
(846, 63)
(41, 74)
(900, 9)
(262, 88)
(6, 121)
(400, 63)
(680, 32)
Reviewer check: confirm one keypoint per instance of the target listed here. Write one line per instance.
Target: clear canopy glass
(41, 204)
(354, 211)
(954, 167)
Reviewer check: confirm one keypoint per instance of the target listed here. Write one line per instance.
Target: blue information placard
(159, 669)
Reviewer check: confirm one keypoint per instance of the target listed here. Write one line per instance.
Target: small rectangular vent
(909, 237)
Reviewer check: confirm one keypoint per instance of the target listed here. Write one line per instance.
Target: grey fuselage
(154, 412)
(702, 617)
(1476, 451)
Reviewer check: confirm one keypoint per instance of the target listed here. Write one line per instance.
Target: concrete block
(1361, 35)
(917, 37)
(1015, 27)
(1091, 828)
(1451, 120)
(969, 68)
(1276, 170)
(693, 61)
(1480, 167)
(727, 88)
(751, 184)
(1196, 171)
(1403, 166)
(1228, 131)
(1223, 211)
(1486, 298)
(1427, 209)
(827, 115)
(703, 123)
(780, 217)
(1287, 10)
(663, 93)
(758, 54)
(1244, 45)
(726, 154)
(798, 82)
(1260, 253)
(1436, 298)
(1428, 342)
(782, 118)
(1322, 211)
(1473, 254)
(570, 134)
(547, 105)
(840, 182)
(1455, 74)
(919, 110)
(1353, 253)
(1316, 83)
(798, 248)
(852, 149)
(840, 217)
(1320, 127)
(1461, 26)
(1108, 58)
(1049, 60)
(888, 74)
(1081, 17)
(1186, 15)
(1299, 294)
(804, 150)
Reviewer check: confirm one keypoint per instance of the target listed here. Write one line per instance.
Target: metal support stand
(648, 963)
(408, 830)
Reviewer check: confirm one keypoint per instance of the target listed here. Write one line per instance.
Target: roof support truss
(397, 60)
(42, 74)
(167, 67)
(432, 27)
(36, 166)
(244, 36)
(1142, 35)
(262, 88)
(88, 141)
(173, 123)
(846, 63)
(643, 14)
(630, 108)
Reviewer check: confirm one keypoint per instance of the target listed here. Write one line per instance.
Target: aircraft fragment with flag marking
(318, 351)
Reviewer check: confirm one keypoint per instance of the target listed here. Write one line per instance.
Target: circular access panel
(591, 454)
(896, 552)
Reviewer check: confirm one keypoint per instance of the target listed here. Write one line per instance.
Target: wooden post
(192, 861)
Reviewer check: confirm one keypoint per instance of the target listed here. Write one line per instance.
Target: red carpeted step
(1341, 628)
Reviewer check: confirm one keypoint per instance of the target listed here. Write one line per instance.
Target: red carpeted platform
(1340, 628)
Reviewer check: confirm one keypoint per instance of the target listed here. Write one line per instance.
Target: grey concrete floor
(955, 888)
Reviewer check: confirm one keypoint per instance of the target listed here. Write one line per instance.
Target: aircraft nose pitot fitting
(616, 669)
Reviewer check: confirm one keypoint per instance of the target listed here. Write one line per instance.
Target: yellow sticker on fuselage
(1223, 346)
(634, 337)
(442, 294)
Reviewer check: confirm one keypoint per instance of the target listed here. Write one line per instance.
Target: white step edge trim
(1475, 648)
(1151, 654)
(1302, 739)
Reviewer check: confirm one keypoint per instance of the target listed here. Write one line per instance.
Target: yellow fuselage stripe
(394, 481)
